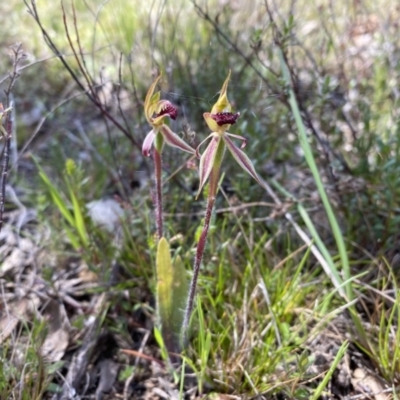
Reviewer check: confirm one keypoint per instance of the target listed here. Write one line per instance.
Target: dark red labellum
(168, 109)
(225, 118)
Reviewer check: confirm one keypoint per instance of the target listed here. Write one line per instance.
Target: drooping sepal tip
(173, 140)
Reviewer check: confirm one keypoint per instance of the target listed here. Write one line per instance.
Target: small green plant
(73, 209)
(322, 120)
(219, 120)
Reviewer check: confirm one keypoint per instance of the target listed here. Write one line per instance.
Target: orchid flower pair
(219, 120)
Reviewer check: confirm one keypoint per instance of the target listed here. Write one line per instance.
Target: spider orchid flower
(156, 111)
(219, 121)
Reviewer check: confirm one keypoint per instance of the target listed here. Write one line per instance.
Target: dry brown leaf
(14, 313)
(86, 275)
(79, 364)
(369, 384)
(8, 322)
(15, 260)
(57, 339)
(55, 345)
(8, 237)
(26, 245)
(108, 374)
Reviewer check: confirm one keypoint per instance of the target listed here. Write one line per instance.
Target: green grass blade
(341, 352)
(57, 199)
(80, 225)
(333, 272)
(337, 233)
(73, 238)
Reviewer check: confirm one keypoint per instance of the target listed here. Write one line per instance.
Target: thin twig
(214, 24)
(283, 98)
(32, 10)
(7, 130)
(42, 121)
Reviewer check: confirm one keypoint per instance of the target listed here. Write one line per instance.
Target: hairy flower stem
(6, 159)
(201, 244)
(199, 255)
(158, 203)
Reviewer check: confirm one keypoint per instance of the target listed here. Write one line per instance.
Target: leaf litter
(94, 357)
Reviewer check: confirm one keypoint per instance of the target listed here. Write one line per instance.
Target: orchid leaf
(164, 289)
(172, 292)
(180, 298)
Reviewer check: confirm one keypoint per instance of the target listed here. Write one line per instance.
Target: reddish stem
(201, 246)
(6, 161)
(158, 195)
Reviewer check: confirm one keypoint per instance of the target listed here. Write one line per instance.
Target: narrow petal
(207, 161)
(172, 139)
(244, 140)
(201, 144)
(147, 143)
(242, 159)
(212, 124)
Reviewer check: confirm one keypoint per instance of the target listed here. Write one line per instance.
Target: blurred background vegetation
(344, 63)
